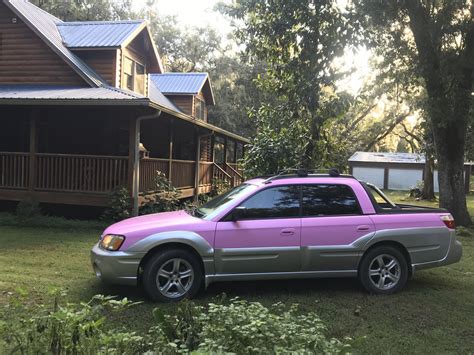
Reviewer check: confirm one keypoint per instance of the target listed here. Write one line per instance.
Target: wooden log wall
(26, 59)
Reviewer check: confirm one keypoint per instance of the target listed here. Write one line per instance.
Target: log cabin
(86, 108)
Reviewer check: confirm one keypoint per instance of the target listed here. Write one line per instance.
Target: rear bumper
(117, 267)
(453, 255)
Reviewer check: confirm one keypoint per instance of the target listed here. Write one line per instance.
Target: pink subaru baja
(285, 226)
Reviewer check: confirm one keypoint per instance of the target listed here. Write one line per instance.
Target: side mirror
(238, 213)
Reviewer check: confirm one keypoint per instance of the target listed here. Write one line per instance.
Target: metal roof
(383, 157)
(98, 33)
(180, 83)
(155, 95)
(46, 92)
(45, 26)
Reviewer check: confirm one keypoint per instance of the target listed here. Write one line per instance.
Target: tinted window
(328, 200)
(275, 202)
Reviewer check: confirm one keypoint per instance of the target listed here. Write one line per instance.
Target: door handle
(287, 232)
(363, 228)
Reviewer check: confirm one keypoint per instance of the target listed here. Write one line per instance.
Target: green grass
(435, 313)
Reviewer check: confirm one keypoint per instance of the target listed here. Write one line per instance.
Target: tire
(383, 270)
(172, 275)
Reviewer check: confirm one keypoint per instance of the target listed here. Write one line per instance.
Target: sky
(192, 12)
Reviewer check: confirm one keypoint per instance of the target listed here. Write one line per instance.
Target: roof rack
(287, 173)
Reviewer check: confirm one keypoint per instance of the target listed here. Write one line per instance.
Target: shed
(394, 171)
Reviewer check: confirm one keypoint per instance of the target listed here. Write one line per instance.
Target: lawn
(435, 313)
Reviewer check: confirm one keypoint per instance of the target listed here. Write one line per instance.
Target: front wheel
(171, 276)
(383, 270)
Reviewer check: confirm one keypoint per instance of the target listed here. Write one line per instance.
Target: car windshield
(215, 205)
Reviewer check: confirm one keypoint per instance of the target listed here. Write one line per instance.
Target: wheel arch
(391, 243)
(172, 245)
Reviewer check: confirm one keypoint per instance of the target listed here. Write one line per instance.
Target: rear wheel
(172, 275)
(383, 270)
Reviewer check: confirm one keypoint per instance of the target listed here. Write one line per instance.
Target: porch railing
(80, 173)
(14, 170)
(236, 176)
(102, 174)
(182, 173)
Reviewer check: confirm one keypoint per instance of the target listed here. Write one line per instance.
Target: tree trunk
(450, 143)
(453, 196)
(428, 181)
(448, 109)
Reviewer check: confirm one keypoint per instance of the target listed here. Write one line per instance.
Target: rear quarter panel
(424, 235)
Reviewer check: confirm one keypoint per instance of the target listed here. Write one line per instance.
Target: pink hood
(137, 228)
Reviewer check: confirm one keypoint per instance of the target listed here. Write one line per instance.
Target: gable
(142, 45)
(26, 59)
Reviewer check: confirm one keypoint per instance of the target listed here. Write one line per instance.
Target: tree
(89, 10)
(436, 39)
(183, 49)
(186, 49)
(298, 40)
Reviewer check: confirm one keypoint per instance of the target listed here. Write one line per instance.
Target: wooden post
(170, 136)
(33, 147)
(196, 167)
(235, 152)
(212, 148)
(133, 141)
(225, 151)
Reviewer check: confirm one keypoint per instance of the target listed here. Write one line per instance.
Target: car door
(265, 236)
(331, 223)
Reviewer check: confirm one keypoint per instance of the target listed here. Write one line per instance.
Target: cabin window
(133, 75)
(200, 109)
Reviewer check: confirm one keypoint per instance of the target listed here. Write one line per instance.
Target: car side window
(274, 202)
(328, 200)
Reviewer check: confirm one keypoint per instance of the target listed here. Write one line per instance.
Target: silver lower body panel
(119, 268)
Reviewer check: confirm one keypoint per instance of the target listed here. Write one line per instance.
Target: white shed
(394, 171)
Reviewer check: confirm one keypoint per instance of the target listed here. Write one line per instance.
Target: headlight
(112, 242)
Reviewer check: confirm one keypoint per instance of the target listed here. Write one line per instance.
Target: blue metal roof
(45, 26)
(180, 83)
(97, 33)
(47, 92)
(157, 96)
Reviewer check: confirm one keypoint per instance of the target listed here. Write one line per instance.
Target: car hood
(137, 228)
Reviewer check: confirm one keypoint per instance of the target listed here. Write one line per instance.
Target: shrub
(66, 329)
(119, 206)
(28, 209)
(8, 219)
(246, 328)
(237, 326)
(219, 186)
(163, 197)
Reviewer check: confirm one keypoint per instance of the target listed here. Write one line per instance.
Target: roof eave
(198, 122)
(73, 102)
(95, 48)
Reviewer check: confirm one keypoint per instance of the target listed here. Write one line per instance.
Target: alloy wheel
(175, 278)
(384, 272)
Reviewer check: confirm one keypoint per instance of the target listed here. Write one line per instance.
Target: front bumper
(116, 267)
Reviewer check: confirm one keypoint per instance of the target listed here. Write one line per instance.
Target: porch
(80, 155)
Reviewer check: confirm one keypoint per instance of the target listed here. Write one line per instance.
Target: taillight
(448, 221)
